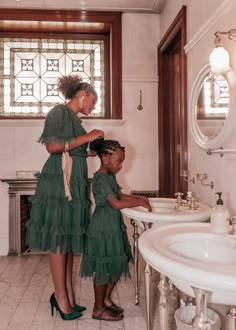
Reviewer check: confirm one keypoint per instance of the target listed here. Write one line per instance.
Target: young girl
(107, 249)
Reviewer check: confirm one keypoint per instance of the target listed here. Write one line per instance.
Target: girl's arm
(56, 147)
(131, 197)
(129, 201)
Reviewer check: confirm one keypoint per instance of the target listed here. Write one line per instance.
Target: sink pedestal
(201, 320)
(147, 277)
(164, 289)
(163, 302)
(146, 225)
(231, 318)
(135, 253)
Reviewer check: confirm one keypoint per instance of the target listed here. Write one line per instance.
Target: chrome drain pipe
(231, 318)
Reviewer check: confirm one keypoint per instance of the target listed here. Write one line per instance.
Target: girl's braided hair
(70, 85)
(105, 147)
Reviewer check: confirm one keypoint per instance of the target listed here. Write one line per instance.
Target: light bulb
(219, 60)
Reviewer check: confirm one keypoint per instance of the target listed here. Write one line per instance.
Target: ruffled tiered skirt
(55, 224)
(107, 250)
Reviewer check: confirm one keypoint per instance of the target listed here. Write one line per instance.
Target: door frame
(169, 182)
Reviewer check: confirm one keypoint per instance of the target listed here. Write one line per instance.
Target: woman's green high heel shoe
(71, 316)
(78, 308)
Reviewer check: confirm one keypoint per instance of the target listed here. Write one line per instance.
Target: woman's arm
(56, 147)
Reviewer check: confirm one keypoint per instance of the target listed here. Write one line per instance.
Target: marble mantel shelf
(19, 183)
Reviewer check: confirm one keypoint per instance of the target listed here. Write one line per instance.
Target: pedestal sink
(191, 256)
(164, 211)
(197, 261)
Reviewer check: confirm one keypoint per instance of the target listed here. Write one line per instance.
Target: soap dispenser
(219, 217)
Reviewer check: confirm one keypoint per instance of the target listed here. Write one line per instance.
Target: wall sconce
(219, 58)
(202, 178)
(186, 175)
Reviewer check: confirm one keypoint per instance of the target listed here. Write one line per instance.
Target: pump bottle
(219, 217)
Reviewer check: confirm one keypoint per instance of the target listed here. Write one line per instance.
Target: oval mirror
(212, 108)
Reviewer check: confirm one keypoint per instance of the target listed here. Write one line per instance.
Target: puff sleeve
(58, 126)
(104, 188)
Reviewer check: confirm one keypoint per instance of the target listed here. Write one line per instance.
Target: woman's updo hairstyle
(70, 85)
(105, 147)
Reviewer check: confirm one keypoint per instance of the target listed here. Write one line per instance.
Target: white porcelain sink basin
(164, 211)
(191, 256)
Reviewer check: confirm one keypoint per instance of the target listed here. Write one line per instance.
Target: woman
(61, 205)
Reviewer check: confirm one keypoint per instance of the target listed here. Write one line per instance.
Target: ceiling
(148, 6)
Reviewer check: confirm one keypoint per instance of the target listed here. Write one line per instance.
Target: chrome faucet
(233, 223)
(179, 201)
(192, 204)
(189, 203)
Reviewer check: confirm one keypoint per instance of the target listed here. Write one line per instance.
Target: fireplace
(20, 189)
(25, 206)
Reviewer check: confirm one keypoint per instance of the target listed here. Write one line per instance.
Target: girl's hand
(94, 134)
(144, 201)
(143, 198)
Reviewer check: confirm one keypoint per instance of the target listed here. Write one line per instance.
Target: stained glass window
(30, 68)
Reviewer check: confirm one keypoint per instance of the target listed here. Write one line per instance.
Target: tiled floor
(25, 288)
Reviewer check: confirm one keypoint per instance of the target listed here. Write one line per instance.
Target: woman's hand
(94, 134)
(91, 153)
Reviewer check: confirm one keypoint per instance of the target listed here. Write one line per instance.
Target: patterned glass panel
(29, 70)
(213, 99)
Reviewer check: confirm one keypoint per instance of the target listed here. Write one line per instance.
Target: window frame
(110, 29)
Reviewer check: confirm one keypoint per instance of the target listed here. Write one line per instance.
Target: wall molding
(143, 79)
(143, 7)
(40, 122)
(22, 122)
(220, 12)
(103, 122)
(158, 5)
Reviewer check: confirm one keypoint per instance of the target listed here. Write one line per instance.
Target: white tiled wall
(18, 140)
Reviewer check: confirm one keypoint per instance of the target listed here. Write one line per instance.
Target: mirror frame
(230, 121)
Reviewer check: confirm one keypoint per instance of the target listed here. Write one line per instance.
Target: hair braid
(105, 147)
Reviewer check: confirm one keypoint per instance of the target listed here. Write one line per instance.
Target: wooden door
(172, 108)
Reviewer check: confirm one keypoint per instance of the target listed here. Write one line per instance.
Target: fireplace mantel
(17, 184)
(17, 187)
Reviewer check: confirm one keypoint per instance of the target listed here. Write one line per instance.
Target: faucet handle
(201, 176)
(189, 195)
(192, 204)
(178, 196)
(232, 221)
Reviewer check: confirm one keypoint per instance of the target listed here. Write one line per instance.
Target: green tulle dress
(107, 249)
(56, 224)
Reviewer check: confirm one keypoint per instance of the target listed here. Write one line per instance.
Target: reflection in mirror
(212, 108)
(212, 104)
